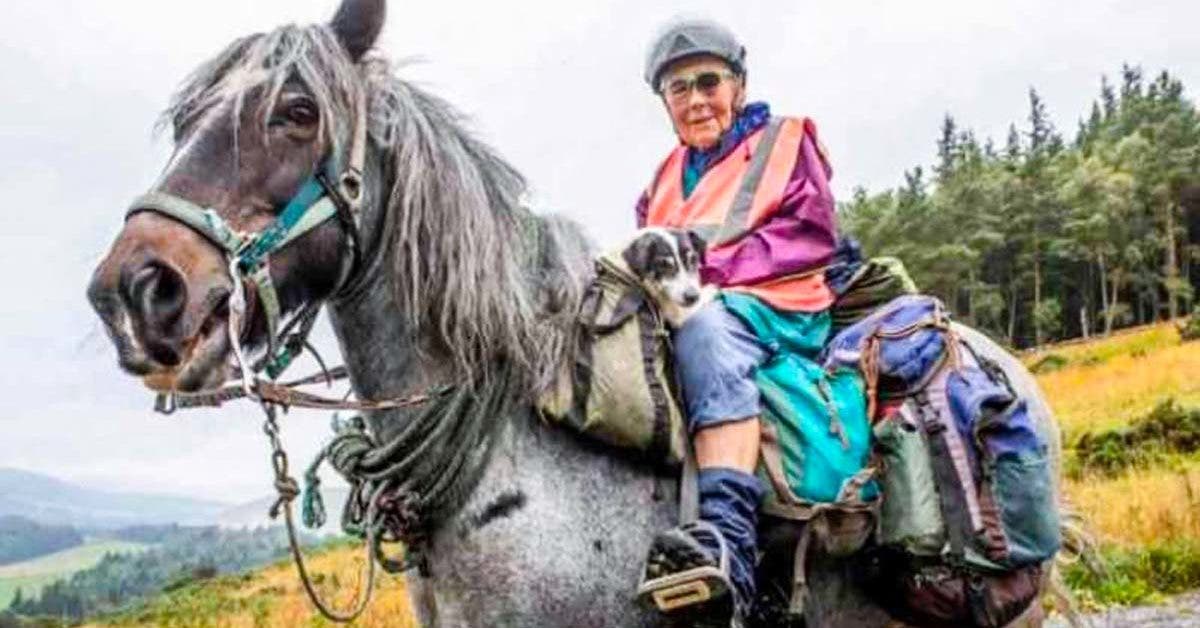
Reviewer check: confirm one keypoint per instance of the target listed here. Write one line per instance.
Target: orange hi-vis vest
(734, 196)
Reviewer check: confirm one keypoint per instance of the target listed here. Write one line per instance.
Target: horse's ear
(357, 25)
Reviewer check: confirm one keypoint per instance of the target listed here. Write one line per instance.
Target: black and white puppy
(667, 261)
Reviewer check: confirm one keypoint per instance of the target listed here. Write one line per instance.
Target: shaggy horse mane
(473, 269)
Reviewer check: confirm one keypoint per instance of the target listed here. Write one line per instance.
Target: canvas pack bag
(618, 387)
(862, 286)
(968, 515)
(872, 284)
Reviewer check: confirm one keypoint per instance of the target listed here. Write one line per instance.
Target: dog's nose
(691, 296)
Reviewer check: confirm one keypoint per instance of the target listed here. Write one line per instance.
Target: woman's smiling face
(701, 112)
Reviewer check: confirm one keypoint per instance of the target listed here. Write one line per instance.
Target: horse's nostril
(158, 294)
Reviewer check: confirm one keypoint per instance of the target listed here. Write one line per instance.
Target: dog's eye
(664, 266)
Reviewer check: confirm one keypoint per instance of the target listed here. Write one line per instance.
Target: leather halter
(318, 199)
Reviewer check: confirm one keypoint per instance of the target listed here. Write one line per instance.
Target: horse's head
(253, 129)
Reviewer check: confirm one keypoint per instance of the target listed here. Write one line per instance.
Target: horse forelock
(262, 64)
(471, 267)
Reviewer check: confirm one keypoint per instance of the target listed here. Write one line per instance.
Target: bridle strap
(350, 183)
(348, 216)
(251, 249)
(202, 220)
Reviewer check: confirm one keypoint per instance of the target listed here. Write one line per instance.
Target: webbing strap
(953, 496)
(204, 221)
(308, 209)
(273, 237)
(689, 487)
(735, 225)
(268, 298)
(318, 213)
(799, 597)
(652, 334)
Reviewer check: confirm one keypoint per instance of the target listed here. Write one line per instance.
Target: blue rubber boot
(729, 500)
(702, 573)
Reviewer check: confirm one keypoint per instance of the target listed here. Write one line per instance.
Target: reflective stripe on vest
(708, 210)
(708, 207)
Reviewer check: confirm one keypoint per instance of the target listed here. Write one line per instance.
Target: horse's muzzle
(164, 300)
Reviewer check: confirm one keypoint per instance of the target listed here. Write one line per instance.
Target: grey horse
(455, 278)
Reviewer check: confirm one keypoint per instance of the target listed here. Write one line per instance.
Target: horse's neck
(380, 354)
(554, 531)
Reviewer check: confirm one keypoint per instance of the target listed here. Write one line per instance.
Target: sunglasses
(679, 87)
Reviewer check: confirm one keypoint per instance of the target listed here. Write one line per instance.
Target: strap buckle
(681, 595)
(165, 403)
(350, 186)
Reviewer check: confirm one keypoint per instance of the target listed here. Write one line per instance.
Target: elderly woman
(769, 218)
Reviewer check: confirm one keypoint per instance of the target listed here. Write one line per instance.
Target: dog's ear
(699, 244)
(637, 254)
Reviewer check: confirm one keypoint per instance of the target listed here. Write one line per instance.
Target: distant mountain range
(52, 501)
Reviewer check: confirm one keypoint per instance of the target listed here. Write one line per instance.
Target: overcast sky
(554, 85)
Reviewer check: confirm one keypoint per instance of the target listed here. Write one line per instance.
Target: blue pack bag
(952, 433)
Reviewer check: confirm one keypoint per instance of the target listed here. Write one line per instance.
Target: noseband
(322, 196)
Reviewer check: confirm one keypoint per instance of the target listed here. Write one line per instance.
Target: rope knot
(399, 513)
(288, 489)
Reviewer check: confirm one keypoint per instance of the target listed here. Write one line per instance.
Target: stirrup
(702, 587)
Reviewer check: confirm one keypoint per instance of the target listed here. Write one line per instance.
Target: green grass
(1129, 407)
(272, 596)
(31, 575)
(1142, 575)
(1147, 441)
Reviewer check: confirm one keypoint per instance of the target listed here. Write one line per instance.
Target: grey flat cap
(686, 38)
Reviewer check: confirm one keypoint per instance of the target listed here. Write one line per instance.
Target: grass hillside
(1146, 514)
(1129, 407)
(29, 576)
(274, 597)
(1108, 385)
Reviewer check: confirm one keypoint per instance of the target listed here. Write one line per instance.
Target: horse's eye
(302, 113)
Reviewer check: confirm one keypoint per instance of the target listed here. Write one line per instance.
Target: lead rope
(285, 485)
(288, 489)
(248, 256)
